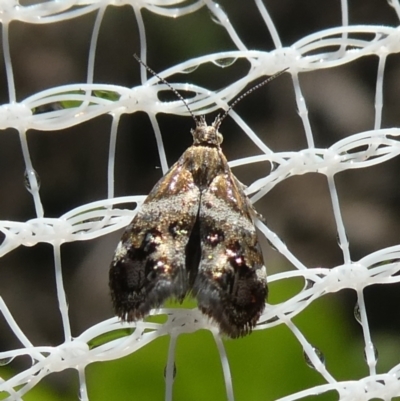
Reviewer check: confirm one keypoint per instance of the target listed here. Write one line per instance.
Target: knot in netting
(68, 355)
(15, 115)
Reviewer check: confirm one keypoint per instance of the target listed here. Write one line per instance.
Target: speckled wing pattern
(194, 233)
(149, 264)
(230, 286)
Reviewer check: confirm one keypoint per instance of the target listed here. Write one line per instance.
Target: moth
(194, 234)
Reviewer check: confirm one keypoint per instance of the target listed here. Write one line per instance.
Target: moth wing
(149, 263)
(231, 284)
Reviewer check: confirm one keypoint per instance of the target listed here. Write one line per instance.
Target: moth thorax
(206, 135)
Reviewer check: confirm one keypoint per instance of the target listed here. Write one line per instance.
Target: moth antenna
(168, 84)
(255, 87)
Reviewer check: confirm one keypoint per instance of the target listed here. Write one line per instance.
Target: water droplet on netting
(357, 313)
(31, 175)
(173, 373)
(225, 62)
(376, 353)
(319, 354)
(215, 19)
(190, 69)
(82, 393)
(5, 361)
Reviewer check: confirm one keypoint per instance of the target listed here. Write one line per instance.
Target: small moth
(194, 234)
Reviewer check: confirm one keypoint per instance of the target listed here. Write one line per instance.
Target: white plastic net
(341, 57)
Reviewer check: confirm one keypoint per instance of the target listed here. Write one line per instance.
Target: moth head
(205, 134)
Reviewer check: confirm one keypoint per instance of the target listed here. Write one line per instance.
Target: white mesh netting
(340, 234)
